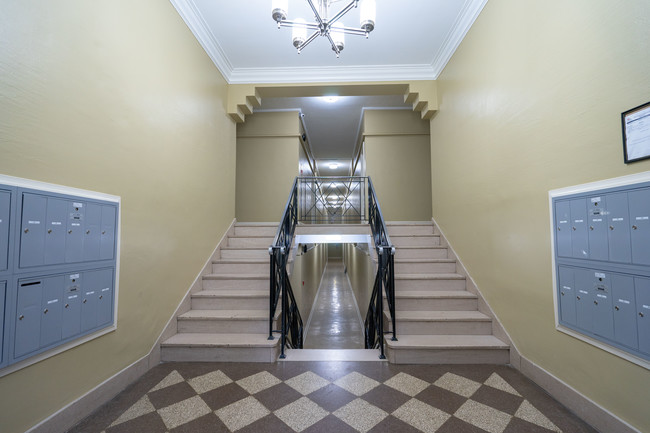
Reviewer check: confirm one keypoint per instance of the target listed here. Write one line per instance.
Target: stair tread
(416, 235)
(409, 223)
(434, 294)
(231, 294)
(430, 276)
(446, 342)
(238, 276)
(226, 315)
(424, 260)
(219, 340)
(252, 260)
(440, 316)
(228, 247)
(251, 236)
(421, 247)
(256, 224)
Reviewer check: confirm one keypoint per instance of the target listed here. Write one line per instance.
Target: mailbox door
(51, 310)
(567, 295)
(28, 317)
(92, 233)
(89, 298)
(625, 330)
(598, 248)
(602, 303)
(75, 235)
(639, 202)
(620, 249)
(55, 231)
(584, 306)
(5, 205)
(71, 321)
(642, 288)
(579, 236)
(563, 228)
(32, 235)
(105, 298)
(107, 242)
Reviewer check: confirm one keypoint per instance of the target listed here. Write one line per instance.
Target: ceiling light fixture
(330, 99)
(331, 28)
(333, 166)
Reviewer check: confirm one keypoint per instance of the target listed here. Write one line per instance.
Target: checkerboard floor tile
(315, 397)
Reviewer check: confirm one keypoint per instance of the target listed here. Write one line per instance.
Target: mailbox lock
(595, 302)
(634, 227)
(101, 296)
(591, 227)
(616, 308)
(69, 232)
(45, 311)
(67, 305)
(611, 227)
(76, 209)
(104, 232)
(84, 301)
(641, 314)
(562, 293)
(87, 232)
(574, 229)
(22, 316)
(49, 231)
(26, 230)
(578, 297)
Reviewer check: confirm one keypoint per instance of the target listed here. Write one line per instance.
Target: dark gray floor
(335, 322)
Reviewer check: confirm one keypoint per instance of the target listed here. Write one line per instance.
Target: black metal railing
(385, 278)
(332, 200)
(291, 326)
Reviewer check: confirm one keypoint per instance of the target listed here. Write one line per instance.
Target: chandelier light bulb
(280, 10)
(338, 36)
(368, 13)
(299, 32)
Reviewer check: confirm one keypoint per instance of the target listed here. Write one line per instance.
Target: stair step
(225, 321)
(244, 253)
(442, 323)
(424, 266)
(236, 281)
(409, 228)
(447, 349)
(440, 281)
(418, 300)
(419, 252)
(230, 299)
(256, 229)
(250, 241)
(424, 240)
(250, 266)
(204, 347)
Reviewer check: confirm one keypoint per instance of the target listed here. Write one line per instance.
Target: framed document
(636, 133)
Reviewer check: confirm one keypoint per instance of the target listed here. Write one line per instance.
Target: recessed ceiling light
(331, 99)
(333, 166)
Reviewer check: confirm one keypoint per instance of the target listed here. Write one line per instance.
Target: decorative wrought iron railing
(291, 326)
(385, 278)
(332, 200)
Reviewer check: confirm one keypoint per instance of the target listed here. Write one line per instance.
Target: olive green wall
(118, 97)
(398, 158)
(267, 162)
(361, 273)
(530, 102)
(308, 268)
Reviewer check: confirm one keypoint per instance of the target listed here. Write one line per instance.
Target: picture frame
(636, 133)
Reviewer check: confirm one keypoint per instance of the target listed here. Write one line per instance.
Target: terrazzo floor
(335, 322)
(338, 397)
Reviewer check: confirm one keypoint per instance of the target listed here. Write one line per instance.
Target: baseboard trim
(588, 410)
(77, 410)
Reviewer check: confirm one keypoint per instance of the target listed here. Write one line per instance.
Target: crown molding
(464, 22)
(319, 74)
(188, 10)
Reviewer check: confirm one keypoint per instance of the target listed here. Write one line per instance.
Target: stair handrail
(385, 277)
(291, 330)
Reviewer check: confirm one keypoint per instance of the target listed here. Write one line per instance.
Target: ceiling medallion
(331, 28)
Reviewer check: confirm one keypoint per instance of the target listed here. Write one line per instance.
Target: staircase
(229, 317)
(438, 321)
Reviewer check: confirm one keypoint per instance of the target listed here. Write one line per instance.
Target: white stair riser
(448, 356)
(244, 268)
(447, 327)
(421, 253)
(419, 304)
(264, 243)
(415, 241)
(256, 303)
(224, 326)
(245, 254)
(410, 230)
(256, 230)
(424, 268)
(429, 284)
(261, 284)
(219, 354)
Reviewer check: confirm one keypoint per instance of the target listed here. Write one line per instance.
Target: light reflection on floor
(335, 322)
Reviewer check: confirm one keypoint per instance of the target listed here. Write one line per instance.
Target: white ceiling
(412, 40)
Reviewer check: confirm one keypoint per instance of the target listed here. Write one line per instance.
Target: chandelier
(329, 27)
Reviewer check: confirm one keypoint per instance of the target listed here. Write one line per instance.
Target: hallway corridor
(335, 320)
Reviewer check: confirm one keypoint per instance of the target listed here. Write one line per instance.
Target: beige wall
(308, 268)
(398, 159)
(95, 96)
(361, 272)
(267, 163)
(530, 102)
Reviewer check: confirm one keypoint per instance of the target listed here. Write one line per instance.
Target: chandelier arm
(310, 26)
(334, 47)
(345, 10)
(352, 31)
(309, 40)
(316, 14)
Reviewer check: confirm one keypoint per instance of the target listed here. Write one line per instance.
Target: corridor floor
(341, 397)
(335, 321)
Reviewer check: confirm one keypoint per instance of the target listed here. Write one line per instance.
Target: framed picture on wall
(636, 133)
